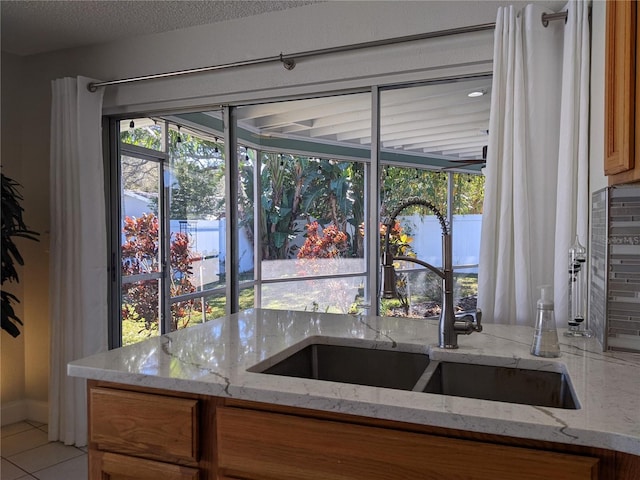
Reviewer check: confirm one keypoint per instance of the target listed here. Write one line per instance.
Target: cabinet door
(260, 445)
(111, 466)
(620, 87)
(141, 424)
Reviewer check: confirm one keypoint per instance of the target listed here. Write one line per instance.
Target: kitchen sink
(359, 365)
(504, 384)
(387, 365)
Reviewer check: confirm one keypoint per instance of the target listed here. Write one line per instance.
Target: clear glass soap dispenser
(545, 337)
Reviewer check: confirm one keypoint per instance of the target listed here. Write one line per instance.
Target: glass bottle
(577, 291)
(545, 338)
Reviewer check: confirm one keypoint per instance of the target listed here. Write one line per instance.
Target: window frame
(372, 170)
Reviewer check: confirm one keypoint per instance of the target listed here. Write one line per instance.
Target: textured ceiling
(29, 27)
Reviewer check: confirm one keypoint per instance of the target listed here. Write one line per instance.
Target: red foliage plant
(331, 243)
(140, 255)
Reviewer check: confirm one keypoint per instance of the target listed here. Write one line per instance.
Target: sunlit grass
(136, 331)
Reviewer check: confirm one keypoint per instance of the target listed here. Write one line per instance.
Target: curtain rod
(289, 60)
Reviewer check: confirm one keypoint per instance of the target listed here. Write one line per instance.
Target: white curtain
(536, 190)
(78, 250)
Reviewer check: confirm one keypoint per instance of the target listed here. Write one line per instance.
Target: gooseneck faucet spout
(448, 328)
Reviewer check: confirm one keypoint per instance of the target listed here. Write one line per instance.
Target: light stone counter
(213, 359)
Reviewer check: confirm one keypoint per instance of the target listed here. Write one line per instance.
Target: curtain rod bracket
(288, 63)
(546, 17)
(92, 87)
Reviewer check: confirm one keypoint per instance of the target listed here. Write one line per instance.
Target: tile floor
(27, 454)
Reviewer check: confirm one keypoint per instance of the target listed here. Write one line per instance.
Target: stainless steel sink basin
(386, 365)
(359, 365)
(504, 384)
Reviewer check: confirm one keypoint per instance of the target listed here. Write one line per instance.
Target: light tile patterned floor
(27, 454)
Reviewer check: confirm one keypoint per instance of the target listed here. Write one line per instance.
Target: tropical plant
(140, 255)
(330, 242)
(295, 187)
(320, 255)
(13, 226)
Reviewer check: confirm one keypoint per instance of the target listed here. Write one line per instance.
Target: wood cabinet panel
(143, 424)
(622, 93)
(112, 466)
(620, 87)
(259, 445)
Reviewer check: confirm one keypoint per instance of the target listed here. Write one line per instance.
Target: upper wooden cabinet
(622, 132)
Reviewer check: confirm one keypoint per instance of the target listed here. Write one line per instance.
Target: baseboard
(13, 412)
(20, 410)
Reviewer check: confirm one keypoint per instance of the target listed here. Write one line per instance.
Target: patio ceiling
(430, 121)
(434, 125)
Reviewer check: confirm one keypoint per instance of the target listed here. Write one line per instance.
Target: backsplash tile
(614, 301)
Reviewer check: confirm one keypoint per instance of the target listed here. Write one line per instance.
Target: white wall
(306, 28)
(597, 179)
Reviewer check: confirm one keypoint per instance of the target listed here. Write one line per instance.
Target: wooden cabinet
(258, 445)
(622, 91)
(147, 434)
(153, 426)
(111, 466)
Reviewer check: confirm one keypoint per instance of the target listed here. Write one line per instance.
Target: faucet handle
(468, 322)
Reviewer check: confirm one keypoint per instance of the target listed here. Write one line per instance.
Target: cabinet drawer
(143, 424)
(111, 466)
(261, 445)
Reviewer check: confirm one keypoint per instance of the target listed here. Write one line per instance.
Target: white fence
(427, 239)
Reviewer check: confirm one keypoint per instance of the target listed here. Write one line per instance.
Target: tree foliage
(399, 183)
(197, 177)
(195, 172)
(140, 300)
(295, 188)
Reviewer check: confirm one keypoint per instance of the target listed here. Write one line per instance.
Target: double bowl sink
(384, 365)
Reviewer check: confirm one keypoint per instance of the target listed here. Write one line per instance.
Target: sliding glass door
(169, 256)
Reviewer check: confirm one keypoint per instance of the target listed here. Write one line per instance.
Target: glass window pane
(196, 206)
(143, 132)
(418, 229)
(468, 198)
(329, 295)
(313, 215)
(246, 213)
(140, 303)
(139, 249)
(436, 125)
(419, 293)
(192, 311)
(426, 133)
(139, 187)
(465, 288)
(311, 183)
(185, 313)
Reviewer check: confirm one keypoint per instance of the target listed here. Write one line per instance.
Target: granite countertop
(213, 359)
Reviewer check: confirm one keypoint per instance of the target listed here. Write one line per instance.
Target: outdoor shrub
(140, 255)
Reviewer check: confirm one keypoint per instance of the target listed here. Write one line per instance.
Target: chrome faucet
(450, 324)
